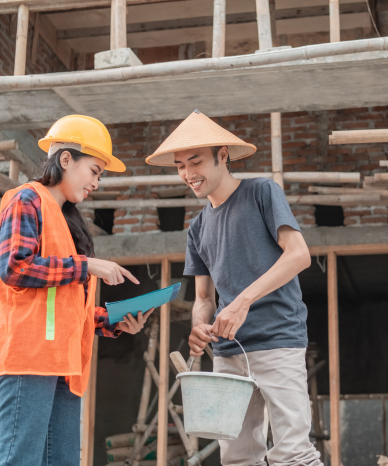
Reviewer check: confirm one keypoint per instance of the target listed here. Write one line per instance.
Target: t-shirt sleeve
(194, 265)
(274, 208)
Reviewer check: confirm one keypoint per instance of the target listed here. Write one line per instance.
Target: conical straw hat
(197, 130)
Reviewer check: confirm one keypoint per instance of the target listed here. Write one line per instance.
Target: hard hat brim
(112, 162)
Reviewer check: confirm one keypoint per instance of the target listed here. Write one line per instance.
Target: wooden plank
(285, 4)
(164, 368)
(14, 170)
(328, 190)
(264, 24)
(6, 183)
(89, 400)
(35, 39)
(334, 371)
(8, 144)
(364, 136)
(11, 6)
(335, 28)
(276, 148)
(21, 40)
(48, 33)
(112, 25)
(121, 24)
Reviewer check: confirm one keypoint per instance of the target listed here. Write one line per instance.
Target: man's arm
(295, 258)
(203, 311)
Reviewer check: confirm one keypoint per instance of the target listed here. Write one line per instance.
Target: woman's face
(80, 178)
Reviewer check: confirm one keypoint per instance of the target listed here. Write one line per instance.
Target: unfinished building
(281, 74)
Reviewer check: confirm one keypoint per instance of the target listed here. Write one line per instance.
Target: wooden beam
(334, 371)
(6, 183)
(327, 190)
(11, 6)
(363, 136)
(290, 177)
(8, 144)
(219, 27)
(35, 39)
(121, 24)
(264, 24)
(335, 29)
(113, 25)
(89, 402)
(14, 170)
(164, 369)
(21, 40)
(276, 148)
(48, 33)
(26, 165)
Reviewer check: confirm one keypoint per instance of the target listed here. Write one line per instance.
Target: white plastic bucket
(214, 404)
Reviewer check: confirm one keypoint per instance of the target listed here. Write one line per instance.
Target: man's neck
(224, 190)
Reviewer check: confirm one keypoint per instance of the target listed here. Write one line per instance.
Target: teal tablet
(119, 309)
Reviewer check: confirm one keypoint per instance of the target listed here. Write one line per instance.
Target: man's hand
(110, 272)
(200, 336)
(230, 319)
(131, 325)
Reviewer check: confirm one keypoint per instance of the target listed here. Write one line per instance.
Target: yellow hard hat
(86, 134)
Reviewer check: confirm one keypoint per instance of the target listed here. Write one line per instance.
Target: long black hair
(52, 176)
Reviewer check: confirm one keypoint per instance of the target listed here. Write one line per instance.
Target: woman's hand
(131, 325)
(110, 272)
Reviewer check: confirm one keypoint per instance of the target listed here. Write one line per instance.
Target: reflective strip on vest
(50, 319)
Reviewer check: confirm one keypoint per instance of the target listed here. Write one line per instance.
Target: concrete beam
(175, 242)
(326, 85)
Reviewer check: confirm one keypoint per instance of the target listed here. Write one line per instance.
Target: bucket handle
(245, 354)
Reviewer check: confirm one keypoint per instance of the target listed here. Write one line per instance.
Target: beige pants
(282, 378)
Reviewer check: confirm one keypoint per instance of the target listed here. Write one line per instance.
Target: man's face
(198, 169)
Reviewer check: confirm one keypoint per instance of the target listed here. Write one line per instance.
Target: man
(247, 245)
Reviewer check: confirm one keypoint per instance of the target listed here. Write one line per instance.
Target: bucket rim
(218, 375)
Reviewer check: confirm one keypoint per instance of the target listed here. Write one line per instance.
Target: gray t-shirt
(236, 243)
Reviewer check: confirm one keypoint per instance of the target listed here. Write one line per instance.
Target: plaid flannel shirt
(21, 264)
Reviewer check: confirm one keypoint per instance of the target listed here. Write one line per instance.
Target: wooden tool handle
(179, 362)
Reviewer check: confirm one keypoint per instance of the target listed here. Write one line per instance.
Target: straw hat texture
(197, 130)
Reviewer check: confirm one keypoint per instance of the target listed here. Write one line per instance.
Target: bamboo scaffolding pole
(362, 136)
(276, 148)
(121, 24)
(197, 459)
(335, 29)
(219, 28)
(164, 369)
(155, 70)
(334, 371)
(329, 199)
(290, 177)
(21, 40)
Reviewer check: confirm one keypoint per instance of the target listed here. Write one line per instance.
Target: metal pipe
(74, 78)
(219, 26)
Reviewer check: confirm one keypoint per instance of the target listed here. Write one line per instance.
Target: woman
(48, 317)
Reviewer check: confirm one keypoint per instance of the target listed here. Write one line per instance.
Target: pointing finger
(128, 274)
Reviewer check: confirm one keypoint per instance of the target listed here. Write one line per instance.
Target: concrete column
(219, 26)
(21, 41)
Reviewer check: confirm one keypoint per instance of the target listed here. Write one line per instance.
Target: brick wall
(47, 61)
(305, 148)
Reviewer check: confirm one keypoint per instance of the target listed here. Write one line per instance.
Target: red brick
(144, 228)
(309, 221)
(378, 219)
(117, 230)
(126, 221)
(349, 221)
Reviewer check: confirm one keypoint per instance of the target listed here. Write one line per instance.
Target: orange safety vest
(48, 331)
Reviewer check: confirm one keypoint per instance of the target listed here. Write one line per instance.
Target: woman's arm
(20, 262)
